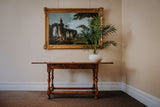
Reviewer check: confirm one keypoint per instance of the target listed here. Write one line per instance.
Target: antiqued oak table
(72, 65)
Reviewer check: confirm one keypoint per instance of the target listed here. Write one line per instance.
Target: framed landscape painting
(63, 26)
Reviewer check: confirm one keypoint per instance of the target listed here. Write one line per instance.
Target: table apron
(72, 66)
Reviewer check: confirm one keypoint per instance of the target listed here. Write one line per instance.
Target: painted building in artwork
(59, 33)
(61, 30)
(65, 33)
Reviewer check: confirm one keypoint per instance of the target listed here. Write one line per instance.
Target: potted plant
(92, 36)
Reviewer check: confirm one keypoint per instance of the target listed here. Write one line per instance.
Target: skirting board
(42, 86)
(141, 96)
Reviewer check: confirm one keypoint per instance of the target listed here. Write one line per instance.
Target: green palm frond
(107, 43)
(93, 34)
(108, 29)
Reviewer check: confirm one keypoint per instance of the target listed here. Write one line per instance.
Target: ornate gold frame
(65, 10)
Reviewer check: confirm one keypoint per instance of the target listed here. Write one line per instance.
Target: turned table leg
(52, 78)
(93, 86)
(96, 81)
(48, 91)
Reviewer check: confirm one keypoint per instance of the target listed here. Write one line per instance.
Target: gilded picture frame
(61, 26)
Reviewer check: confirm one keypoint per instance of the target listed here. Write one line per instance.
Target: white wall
(141, 46)
(22, 39)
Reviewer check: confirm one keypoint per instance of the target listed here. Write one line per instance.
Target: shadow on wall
(109, 72)
(125, 69)
(73, 75)
(76, 76)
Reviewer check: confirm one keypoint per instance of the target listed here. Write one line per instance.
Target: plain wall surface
(141, 46)
(22, 36)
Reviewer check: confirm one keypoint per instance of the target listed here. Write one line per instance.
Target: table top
(72, 63)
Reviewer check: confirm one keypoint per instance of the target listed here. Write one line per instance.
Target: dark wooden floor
(39, 99)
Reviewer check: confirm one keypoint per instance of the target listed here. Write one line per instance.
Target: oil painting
(63, 26)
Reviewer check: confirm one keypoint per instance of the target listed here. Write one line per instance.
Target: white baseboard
(23, 86)
(141, 96)
(42, 86)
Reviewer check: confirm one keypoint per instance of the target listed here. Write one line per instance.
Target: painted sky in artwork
(68, 20)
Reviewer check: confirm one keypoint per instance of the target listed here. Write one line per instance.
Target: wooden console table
(72, 65)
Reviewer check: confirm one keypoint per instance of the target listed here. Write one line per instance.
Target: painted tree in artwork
(79, 16)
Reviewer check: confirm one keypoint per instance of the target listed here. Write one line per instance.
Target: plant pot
(95, 58)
